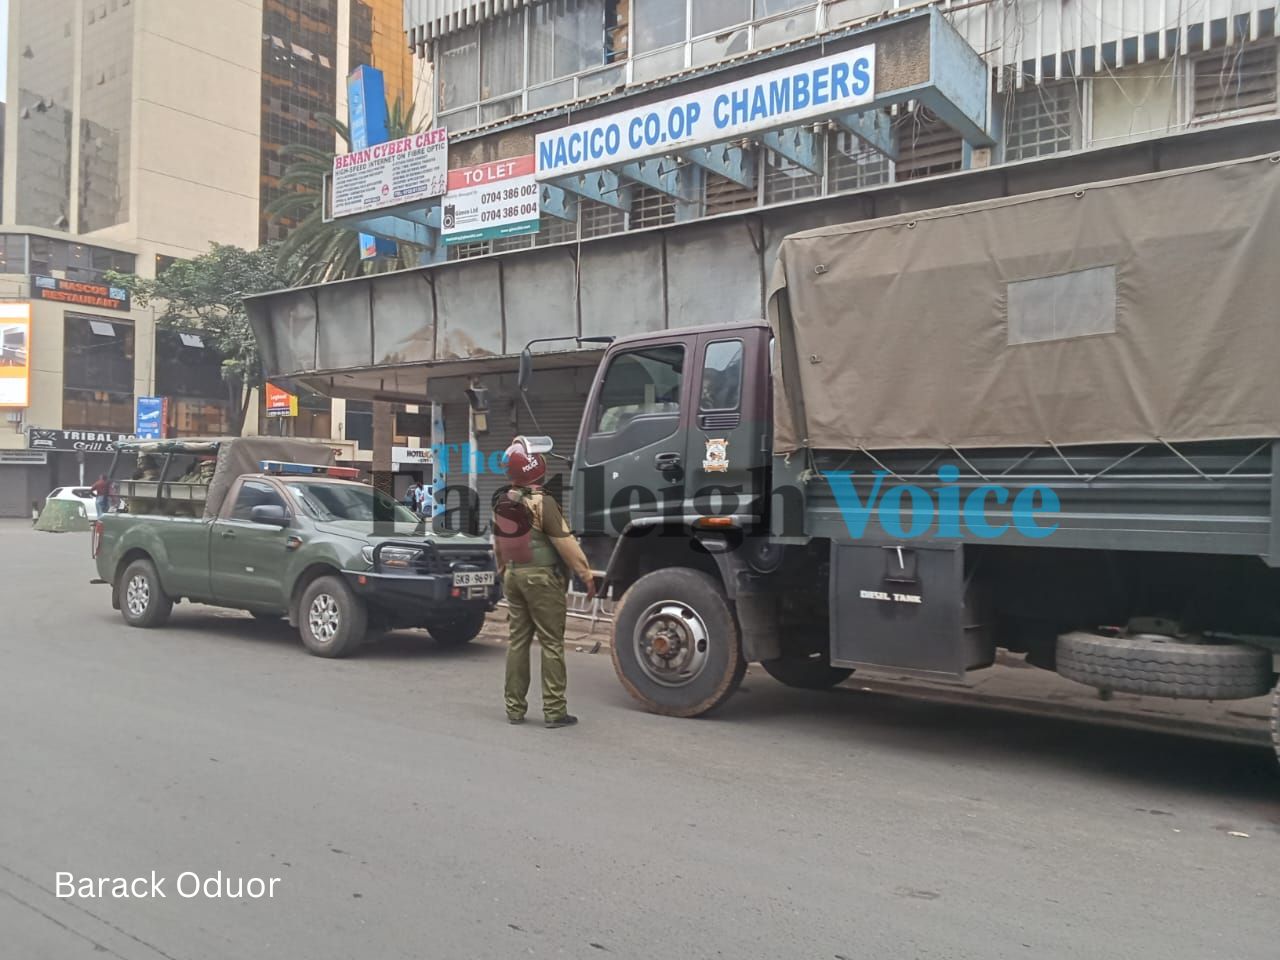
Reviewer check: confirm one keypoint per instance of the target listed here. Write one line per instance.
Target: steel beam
(731, 162)
(602, 186)
(558, 203)
(663, 175)
(872, 128)
(799, 145)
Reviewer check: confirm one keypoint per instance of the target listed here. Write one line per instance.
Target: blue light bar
(281, 468)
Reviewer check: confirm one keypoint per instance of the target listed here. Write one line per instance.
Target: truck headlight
(367, 554)
(399, 556)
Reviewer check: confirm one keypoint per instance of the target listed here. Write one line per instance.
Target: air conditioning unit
(13, 417)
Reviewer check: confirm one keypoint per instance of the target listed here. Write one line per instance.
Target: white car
(81, 495)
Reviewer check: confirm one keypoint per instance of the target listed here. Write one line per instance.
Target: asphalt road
(405, 818)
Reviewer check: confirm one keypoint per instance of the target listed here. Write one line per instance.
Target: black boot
(568, 720)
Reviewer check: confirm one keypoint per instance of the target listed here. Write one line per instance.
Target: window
(712, 15)
(1239, 78)
(565, 37)
(359, 423)
(502, 56)
(641, 383)
(722, 376)
(97, 365)
(328, 502)
(659, 23)
(13, 254)
(459, 65)
(255, 493)
(1041, 120)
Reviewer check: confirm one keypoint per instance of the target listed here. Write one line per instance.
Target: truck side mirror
(271, 514)
(526, 370)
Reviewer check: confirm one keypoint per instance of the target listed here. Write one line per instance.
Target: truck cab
(674, 442)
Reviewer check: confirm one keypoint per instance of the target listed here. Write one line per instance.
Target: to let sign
(491, 200)
(407, 170)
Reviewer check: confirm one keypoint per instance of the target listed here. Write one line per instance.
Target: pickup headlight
(400, 557)
(367, 554)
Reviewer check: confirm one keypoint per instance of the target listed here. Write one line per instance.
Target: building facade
(643, 229)
(140, 131)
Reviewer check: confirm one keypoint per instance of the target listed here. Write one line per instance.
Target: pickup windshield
(329, 502)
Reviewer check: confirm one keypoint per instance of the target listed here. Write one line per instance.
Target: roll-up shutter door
(559, 419)
(457, 433)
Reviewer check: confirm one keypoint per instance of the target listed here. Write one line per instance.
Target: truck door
(633, 448)
(247, 559)
(725, 452)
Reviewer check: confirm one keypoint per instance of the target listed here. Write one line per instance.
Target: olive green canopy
(1137, 310)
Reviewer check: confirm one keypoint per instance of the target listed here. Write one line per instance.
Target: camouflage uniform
(535, 576)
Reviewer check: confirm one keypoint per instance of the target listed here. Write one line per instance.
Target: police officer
(536, 552)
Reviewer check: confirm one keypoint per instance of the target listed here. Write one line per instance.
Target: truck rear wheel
(1165, 667)
(332, 620)
(813, 672)
(143, 602)
(676, 643)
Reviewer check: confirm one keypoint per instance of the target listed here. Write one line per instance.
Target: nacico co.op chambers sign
(780, 98)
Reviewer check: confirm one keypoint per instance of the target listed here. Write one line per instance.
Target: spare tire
(1160, 667)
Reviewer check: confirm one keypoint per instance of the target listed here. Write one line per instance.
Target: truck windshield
(328, 502)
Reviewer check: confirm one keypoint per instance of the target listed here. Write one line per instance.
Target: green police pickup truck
(270, 526)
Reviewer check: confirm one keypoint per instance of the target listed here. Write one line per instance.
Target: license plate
(474, 578)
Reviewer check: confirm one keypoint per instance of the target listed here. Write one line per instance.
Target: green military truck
(1047, 424)
(270, 526)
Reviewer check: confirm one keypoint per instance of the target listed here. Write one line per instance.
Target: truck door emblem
(717, 459)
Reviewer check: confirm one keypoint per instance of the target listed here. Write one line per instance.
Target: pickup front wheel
(459, 629)
(332, 620)
(143, 602)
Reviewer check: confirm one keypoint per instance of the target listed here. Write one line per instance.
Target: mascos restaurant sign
(79, 293)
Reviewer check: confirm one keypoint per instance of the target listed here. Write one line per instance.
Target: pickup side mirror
(526, 369)
(271, 514)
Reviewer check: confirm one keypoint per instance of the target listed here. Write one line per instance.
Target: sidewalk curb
(1241, 731)
(1245, 733)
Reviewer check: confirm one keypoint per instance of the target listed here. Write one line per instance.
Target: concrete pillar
(383, 433)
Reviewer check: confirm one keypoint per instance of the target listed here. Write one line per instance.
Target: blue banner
(367, 121)
(149, 424)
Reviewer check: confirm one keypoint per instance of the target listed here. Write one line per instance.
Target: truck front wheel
(332, 619)
(143, 602)
(676, 644)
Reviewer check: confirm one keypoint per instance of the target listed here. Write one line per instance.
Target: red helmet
(525, 469)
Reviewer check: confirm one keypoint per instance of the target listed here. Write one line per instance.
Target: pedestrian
(411, 498)
(536, 553)
(101, 491)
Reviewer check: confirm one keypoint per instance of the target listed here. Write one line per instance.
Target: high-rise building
(138, 132)
(308, 47)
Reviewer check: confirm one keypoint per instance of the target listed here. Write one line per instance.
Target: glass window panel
(711, 15)
(459, 69)
(93, 360)
(565, 37)
(502, 56)
(722, 375)
(640, 383)
(659, 23)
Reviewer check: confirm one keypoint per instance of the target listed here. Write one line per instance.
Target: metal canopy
(919, 58)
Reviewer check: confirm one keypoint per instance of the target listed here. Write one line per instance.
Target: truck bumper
(411, 599)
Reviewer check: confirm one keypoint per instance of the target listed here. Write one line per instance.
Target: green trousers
(536, 598)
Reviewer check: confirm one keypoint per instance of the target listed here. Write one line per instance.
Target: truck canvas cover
(1136, 310)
